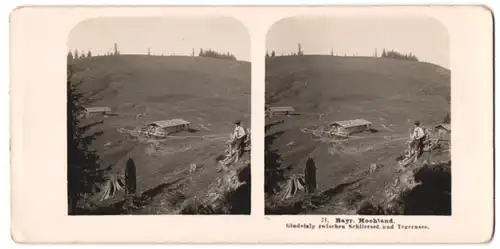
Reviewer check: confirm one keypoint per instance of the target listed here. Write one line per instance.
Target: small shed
(97, 110)
(170, 126)
(443, 131)
(282, 110)
(443, 127)
(348, 127)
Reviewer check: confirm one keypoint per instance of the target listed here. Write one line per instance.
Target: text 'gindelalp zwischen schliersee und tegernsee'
(355, 223)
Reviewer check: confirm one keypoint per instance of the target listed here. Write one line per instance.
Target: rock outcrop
(230, 194)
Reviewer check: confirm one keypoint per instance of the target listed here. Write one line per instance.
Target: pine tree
(299, 50)
(447, 118)
(273, 54)
(69, 57)
(201, 52)
(384, 54)
(274, 173)
(75, 56)
(116, 49)
(149, 51)
(83, 164)
(89, 54)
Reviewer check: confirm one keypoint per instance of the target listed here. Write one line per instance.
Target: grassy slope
(207, 92)
(390, 93)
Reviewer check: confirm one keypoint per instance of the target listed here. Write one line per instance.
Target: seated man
(418, 138)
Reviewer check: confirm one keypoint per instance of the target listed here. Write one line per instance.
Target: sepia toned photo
(139, 124)
(158, 116)
(358, 116)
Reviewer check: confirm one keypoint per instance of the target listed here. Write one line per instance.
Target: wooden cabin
(282, 110)
(348, 127)
(443, 131)
(97, 110)
(169, 126)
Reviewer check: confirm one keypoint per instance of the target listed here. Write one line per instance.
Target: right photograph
(358, 116)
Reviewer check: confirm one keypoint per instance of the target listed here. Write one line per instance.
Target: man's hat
(237, 122)
(417, 123)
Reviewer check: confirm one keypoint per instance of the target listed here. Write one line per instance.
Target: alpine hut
(348, 127)
(282, 110)
(443, 127)
(443, 131)
(97, 110)
(169, 126)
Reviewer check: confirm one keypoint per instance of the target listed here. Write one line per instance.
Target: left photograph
(158, 116)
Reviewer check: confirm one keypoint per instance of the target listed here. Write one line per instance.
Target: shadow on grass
(146, 197)
(267, 127)
(304, 203)
(117, 208)
(328, 194)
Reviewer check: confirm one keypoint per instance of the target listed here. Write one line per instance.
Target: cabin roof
(169, 123)
(444, 126)
(282, 109)
(351, 123)
(98, 109)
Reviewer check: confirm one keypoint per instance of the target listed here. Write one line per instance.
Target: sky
(426, 38)
(178, 35)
